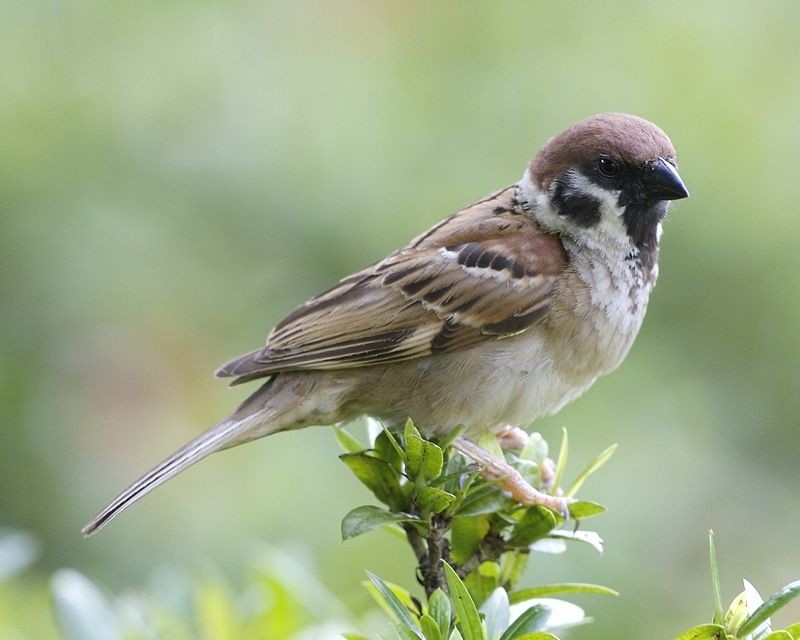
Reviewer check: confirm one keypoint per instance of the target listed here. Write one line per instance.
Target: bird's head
(606, 181)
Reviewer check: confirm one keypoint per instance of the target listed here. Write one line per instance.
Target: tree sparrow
(501, 313)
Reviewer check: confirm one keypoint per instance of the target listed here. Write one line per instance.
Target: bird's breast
(597, 312)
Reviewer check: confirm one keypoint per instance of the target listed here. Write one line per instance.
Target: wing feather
(485, 273)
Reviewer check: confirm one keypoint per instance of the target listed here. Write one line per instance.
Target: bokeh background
(176, 176)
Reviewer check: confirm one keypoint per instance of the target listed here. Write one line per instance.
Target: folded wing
(485, 273)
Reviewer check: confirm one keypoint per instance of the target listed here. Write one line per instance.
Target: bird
(497, 315)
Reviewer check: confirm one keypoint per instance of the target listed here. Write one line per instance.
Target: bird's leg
(508, 478)
(515, 439)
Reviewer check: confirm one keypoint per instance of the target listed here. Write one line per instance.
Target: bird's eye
(608, 167)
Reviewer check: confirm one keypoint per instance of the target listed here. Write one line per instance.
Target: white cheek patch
(538, 203)
(611, 226)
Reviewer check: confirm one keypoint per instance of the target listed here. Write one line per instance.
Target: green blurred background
(176, 176)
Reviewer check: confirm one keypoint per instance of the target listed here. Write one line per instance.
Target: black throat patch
(641, 223)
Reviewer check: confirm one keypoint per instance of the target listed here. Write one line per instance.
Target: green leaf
(393, 441)
(737, 612)
(466, 613)
(482, 581)
(440, 610)
(703, 632)
(455, 471)
(779, 635)
(712, 553)
(82, 611)
(794, 630)
(537, 522)
(554, 589)
(430, 628)
(538, 635)
(584, 509)
(483, 500)
(413, 449)
(775, 602)
(488, 441)
(467, 535)
(561, 463)
(387, 449)
(346, 441)
(430, 463)
(404, 633)
(368, 517)
(512, 566)
(535, 450)
(423, 459)
(594, 465)
(532, 620)
(434, 499)
(496, 614)
(378, 476)
(392, 604)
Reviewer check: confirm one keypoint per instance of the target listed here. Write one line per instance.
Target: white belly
(497, 383)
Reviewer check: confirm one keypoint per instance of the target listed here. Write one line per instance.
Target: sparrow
(501, 313)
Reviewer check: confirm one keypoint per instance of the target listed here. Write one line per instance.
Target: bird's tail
(233, 430)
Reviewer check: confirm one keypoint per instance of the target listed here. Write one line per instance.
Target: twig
(490, 549)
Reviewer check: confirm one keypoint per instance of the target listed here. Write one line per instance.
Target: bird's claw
(512, 438)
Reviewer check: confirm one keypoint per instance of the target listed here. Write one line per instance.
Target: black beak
(662, 182)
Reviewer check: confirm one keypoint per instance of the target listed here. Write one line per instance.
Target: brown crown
(632, 139)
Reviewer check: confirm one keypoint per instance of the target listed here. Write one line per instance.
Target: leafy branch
(471, 542)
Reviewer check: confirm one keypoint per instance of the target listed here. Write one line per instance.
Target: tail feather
(222, 435)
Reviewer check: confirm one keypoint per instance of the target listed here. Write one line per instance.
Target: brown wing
(484, 273)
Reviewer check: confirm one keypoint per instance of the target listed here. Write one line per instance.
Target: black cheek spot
(581, 208)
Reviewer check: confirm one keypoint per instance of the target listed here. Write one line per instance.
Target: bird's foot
(547, 472)
(512, 438)
(509, 479)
